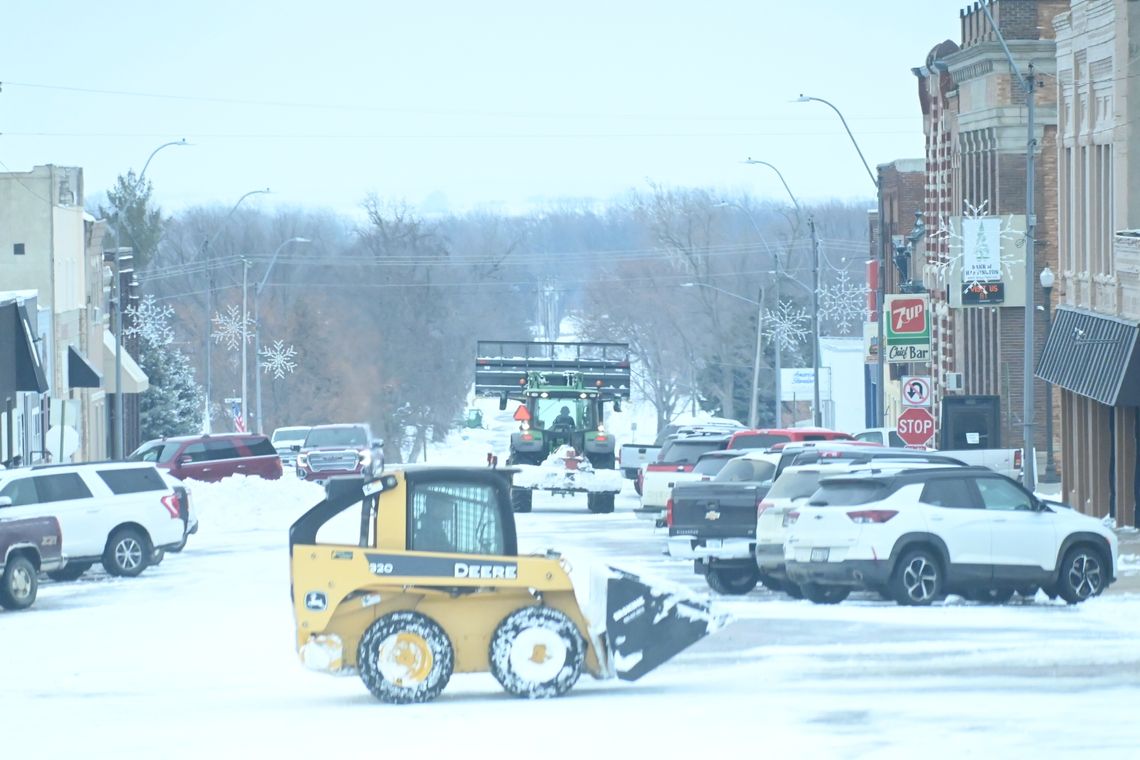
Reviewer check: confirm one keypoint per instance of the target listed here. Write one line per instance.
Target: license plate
(819, 555)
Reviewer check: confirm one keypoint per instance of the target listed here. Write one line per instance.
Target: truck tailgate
(715, 510)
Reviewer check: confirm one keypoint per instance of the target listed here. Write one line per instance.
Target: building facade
(1092, 354)
(975, 123)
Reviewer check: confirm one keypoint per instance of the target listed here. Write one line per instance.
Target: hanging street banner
(908, 328)
(985, 265)
(981, 249)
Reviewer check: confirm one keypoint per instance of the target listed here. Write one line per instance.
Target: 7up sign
(908, 328)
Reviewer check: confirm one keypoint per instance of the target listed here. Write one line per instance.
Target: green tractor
(561, 445)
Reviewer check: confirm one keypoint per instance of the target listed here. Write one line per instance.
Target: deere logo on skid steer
(464, 570)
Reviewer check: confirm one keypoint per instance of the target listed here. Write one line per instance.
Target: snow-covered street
(196, 656)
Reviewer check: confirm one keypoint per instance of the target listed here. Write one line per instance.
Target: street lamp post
(210, 302)
(257, 327)
(1050, 473)
(117, 440)
(881, 285)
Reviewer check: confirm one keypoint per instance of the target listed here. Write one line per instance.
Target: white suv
(917, 535)
(123, 514)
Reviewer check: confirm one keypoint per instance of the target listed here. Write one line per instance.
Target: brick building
(974, 120)
(1092, 354)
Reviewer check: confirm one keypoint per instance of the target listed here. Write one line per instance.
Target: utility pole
(1029, 84)
(244, 340)
(117, 452)
(817, 419)
(777, 339)
(753, 403)
(209, 311)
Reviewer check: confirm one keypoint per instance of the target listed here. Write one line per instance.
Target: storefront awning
(1093, 355)
(20, 366)
(80, 373)
(134, 379)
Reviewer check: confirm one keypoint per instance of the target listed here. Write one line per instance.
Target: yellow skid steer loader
(434, 585)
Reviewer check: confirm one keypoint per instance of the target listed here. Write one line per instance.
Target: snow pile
(245, 504)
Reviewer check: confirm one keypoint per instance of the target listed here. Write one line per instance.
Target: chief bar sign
(908, 328)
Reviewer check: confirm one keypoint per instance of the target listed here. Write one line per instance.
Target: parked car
(634, 457)
(118, 513)
(337, 450)
(1006, 461)
(767, 437)
(678, 456)
(284, 439)
(28, 546)
(210, 458)
(917, 535)
(713, 522)
(798, 481)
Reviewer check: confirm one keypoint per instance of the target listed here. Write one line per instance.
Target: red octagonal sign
(916, 426)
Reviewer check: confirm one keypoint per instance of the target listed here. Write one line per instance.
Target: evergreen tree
(135, 225)
(172, 405)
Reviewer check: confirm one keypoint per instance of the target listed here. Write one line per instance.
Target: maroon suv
(337, 450)
(212, 457)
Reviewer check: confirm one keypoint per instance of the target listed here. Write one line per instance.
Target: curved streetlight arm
(152, 155)
(273, 260)
(795, 202)
(206, 242)
(871, 174)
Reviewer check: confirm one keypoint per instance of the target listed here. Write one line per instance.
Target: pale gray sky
(474, 105)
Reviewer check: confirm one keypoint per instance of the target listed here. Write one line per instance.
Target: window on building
(17, 249)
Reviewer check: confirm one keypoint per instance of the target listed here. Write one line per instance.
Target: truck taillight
(790, 519)
(170, 501)
(762, 506)
(867, 516)
(669, 512)
(1017, 459)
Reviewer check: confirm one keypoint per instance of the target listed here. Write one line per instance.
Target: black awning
(80, 373)
(20, 367)
(1094, 355)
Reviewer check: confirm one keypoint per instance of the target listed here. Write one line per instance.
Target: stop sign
(916, 426)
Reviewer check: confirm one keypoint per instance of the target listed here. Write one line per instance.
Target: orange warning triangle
(522, 414)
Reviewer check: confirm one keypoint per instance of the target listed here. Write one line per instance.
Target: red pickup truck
(27, 547)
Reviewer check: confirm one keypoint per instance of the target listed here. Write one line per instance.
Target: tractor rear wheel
(521, 499)
(405, 657)
(537, 652)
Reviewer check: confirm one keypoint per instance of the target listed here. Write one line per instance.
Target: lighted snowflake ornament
(232, 328)
(149, 321)
(957, 244)
(278, 359)
(844, 303)
(788, 325)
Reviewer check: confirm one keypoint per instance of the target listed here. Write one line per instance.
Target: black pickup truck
(713, 522)
(28, 546)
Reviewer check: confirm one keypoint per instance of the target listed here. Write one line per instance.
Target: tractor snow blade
(646, 627)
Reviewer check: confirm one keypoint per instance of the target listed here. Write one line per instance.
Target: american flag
(239, 422)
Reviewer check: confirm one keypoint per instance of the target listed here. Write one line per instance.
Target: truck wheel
(600, 503)
(602, 462)
(733, 580)
(1082, 574)
(127, 553)
(69, 572)
(521, 499)
(825, 594)
(19, 584)
(405, 657)
(792, 589)
(537, 652)
(770, 582)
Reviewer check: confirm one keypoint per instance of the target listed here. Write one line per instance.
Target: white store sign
(798, 384)
(981, 249)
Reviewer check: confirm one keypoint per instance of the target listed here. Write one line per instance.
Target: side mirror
(378, 443)
(5, 501)
(185, 459)
(617, 403)
(295, 447)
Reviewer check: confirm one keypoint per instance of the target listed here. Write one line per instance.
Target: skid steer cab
(416, 575)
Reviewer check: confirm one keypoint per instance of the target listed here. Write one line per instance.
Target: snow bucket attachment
(646, 626)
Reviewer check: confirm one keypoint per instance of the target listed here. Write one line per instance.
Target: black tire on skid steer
(733, 580)
(521, 499)
(600, 503)
(537, 653)
(405, 657)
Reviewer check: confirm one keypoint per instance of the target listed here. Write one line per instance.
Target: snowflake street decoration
(955, 260)
(150, 322)
(844, 303)
(279, 359)
(232, 327)
(788, 325)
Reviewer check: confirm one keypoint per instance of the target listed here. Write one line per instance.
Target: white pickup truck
(1005, 461)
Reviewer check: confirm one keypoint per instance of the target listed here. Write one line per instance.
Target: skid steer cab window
(460, 518)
